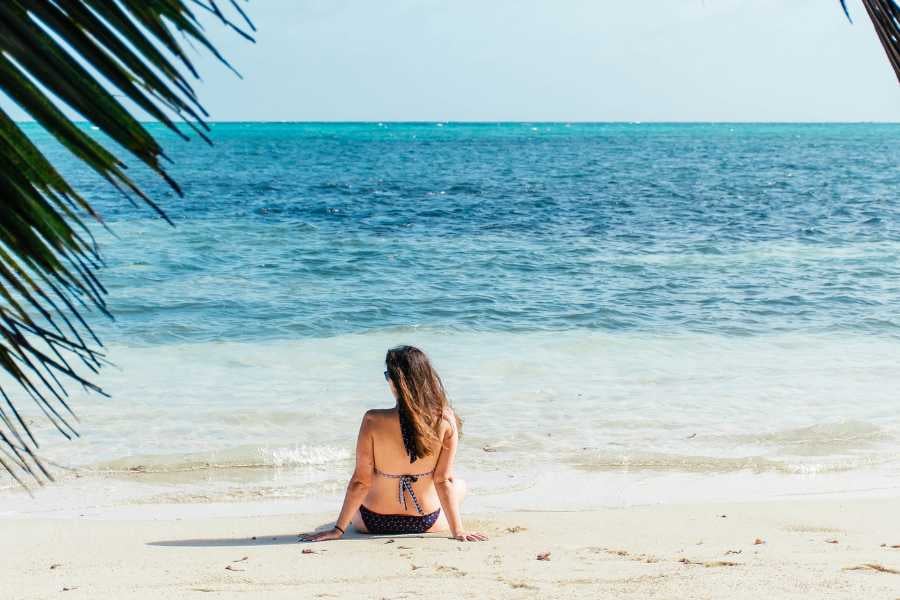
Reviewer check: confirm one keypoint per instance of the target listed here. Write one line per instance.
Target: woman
(404, 459)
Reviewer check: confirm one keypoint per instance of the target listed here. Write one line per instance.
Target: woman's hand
(473, 536)
(322, 536)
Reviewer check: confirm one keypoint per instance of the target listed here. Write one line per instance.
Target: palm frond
(885, 17)
(48, 257)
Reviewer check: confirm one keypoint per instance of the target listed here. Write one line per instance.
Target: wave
(815, 440)
(658, 461)
(241, 457)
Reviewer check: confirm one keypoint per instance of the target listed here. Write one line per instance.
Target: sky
(551, 60)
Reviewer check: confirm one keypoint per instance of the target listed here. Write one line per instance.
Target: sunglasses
(387, 377)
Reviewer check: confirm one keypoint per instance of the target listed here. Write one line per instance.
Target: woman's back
(391, 462)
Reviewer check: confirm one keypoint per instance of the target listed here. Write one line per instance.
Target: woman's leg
(358, 524)
(460, 488)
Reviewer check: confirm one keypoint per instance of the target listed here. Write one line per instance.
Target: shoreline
(146, 495)
(689, 403)
(798, 548)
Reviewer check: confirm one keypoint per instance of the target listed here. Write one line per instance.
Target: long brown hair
(421, 398)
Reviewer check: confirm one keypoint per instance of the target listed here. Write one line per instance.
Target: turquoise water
(293, 230)
(600, 298)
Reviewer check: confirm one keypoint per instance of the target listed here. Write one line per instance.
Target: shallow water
(606, 303)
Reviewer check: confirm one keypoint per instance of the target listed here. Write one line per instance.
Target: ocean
(622, 313)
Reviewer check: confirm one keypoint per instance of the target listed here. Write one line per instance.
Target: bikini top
(405, 487)
(404, 482)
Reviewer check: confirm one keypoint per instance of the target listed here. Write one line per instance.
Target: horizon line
(498, 122)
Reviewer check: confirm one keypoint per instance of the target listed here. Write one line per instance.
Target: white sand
(673, 551)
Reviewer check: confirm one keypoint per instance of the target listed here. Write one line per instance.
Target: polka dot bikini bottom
(397, 524)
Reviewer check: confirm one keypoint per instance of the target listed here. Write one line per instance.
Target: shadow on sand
(257, 540)
(273, 539)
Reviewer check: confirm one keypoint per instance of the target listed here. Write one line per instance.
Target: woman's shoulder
(375, 416)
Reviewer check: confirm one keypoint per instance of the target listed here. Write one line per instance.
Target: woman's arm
(443, 483)
(359, 484)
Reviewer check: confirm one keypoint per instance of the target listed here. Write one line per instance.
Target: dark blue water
(298, 230)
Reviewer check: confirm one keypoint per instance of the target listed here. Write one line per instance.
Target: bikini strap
(404, 487)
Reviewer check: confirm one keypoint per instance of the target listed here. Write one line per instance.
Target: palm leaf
(885, 17)
(48, 256)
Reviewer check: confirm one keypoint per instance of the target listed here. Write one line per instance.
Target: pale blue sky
(565, 60)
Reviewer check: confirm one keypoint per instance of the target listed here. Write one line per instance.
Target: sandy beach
(786, 549)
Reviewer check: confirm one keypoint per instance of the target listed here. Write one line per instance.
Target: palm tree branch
(70, 31)
(54, 68)
(885, 17)
(48, 255)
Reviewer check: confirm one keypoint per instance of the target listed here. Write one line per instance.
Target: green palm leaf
(48, 256)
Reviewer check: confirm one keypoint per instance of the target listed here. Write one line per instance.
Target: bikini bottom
(397, 524)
